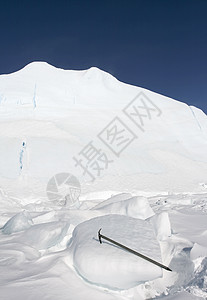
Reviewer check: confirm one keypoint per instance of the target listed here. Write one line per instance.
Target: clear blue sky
(157, 44)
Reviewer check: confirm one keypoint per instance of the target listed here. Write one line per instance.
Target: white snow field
(141, 160)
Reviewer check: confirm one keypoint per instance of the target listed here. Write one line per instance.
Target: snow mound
(19, 222)
(114, 199)
(108, 265)
(135, 207)
(198, 251)
(46, 235)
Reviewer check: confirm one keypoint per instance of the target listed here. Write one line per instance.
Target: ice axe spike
(101, 236)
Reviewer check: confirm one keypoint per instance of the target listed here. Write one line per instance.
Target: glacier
(147, 157)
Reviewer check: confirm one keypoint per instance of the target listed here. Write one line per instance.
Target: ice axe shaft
(101, 236)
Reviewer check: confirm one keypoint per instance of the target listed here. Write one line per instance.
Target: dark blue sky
(157, 44)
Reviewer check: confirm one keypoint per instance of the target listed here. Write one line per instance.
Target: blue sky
(160, 45)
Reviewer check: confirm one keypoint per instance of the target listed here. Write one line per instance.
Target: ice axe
(101, 236)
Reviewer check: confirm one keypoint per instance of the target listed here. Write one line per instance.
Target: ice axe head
(99, 236)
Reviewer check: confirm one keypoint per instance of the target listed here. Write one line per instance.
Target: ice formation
(108, 265)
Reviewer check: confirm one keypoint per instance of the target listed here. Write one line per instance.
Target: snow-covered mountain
(141, 159)
(49, 115)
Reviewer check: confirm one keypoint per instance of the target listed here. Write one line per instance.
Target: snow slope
(56, 113)
(150, 192)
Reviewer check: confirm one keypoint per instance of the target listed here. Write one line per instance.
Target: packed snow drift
(108, 265)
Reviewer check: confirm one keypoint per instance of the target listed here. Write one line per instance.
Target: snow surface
(153, 197)
(109, 266)
(136, 207)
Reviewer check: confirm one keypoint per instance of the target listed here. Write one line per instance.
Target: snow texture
(108, 265)
(162, 226)
(19, 222)
(136, 207)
